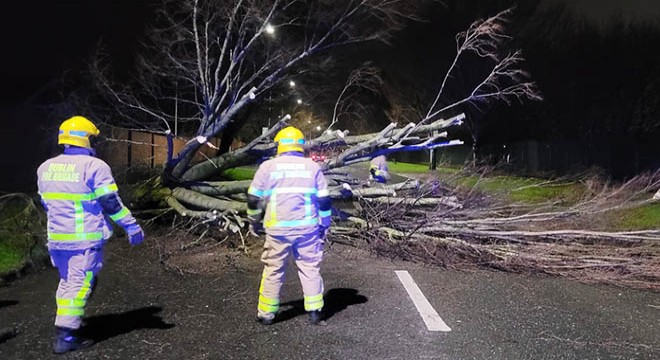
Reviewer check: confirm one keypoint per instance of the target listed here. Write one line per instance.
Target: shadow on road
(7, 333)
(336, 300)
(103, 327)
(5, 303)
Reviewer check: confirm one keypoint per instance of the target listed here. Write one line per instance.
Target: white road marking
(429, 315)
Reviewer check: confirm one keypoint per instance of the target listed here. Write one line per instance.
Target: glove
(135, 234)
(257, 229)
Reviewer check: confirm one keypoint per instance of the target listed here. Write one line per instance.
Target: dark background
(45, 43)
(592, 59)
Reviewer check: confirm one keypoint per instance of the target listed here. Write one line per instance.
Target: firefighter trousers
(77, 270)
(307, 252)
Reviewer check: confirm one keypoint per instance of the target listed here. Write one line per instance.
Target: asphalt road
(141, 311)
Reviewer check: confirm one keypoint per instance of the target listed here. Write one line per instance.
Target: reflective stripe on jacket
(70, 186)
(291, 186)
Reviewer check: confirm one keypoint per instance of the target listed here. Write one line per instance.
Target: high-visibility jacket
(291, 186)
(70, 186)
(379, 170)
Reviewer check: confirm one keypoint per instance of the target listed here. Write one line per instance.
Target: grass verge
(20, 224)
(526, 189)
(239, 173)
(12, 257)
(639, 218)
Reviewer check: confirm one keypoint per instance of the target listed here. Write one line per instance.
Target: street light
(292, 83)
(299, 101)
(270, 29)
(318, 128)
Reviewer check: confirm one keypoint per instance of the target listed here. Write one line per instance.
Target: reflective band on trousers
(314, 302)
(76, 306)
(268, 304)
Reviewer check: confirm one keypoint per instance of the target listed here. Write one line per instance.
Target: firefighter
(378, 170)
(290, 194)
(78, 192)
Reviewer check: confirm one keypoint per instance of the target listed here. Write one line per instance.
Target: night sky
(44, 39)
(603, 10)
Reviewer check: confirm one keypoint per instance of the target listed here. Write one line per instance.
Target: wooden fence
(128, 148)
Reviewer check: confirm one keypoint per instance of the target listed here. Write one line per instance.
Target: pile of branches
(439, 224)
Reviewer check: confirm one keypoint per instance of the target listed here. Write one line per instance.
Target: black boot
(265, 321)
(316, 317)
(66, 340)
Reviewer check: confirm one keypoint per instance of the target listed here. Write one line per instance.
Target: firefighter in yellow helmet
(378, 170)
(290, 195)
(78, 191)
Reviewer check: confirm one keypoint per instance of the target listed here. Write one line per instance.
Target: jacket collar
(76, 150)
(292, 153)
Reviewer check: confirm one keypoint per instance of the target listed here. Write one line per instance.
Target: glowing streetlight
(318, 128)
(299, 101)
(270, 29)
(292, 83)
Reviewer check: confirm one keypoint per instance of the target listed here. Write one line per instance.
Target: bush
(22, 235)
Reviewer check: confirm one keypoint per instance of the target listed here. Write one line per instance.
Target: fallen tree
(211, 63)
(551, 239)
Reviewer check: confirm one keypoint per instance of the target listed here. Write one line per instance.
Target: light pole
(270, 30)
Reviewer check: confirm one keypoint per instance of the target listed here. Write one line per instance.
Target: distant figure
(378, 170)
(290, 194)
(79, 195)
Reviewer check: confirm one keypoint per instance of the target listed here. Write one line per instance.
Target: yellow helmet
(77, 131)
(289, 139)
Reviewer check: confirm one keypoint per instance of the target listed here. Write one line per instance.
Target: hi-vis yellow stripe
(75, 237)
(104, 190)
(314, 302)
(76, 306)
(122, 213)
